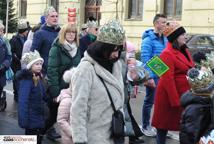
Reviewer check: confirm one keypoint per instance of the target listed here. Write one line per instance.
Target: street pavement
(9, 123)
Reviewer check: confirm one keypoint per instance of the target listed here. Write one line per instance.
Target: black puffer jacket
(195, 118)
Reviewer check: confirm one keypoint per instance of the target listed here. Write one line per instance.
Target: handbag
(117, 124)
(9, 74)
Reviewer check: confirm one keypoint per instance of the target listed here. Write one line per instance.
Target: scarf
(70, 47)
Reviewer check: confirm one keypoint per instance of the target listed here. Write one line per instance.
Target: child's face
(37, 67)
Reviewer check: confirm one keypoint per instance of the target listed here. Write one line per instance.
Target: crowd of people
(80, 80)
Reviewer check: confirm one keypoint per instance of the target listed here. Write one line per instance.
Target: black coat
(5, 58)
(16, 49)
(195, 118)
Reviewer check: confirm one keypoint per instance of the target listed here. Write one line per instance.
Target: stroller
(3, 102)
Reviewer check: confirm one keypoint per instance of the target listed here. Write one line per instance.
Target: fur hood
(65, 93)
(67, 77)
(24, 74)
(189, 98)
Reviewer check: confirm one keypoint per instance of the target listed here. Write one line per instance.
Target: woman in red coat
(172, 84)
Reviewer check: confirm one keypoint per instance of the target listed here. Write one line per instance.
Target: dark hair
(175, 44)
(102, 50)
(157, 16)
(199, 56)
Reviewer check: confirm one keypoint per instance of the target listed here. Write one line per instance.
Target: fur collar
(24, 74)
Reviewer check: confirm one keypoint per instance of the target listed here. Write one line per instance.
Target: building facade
(135, 15)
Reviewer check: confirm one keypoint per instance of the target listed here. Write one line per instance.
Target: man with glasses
(153, 43)
(42, 41)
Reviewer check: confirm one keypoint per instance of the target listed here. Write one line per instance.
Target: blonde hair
(1, 26)
(68, 28)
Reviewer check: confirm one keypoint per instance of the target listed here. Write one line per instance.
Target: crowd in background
(80, 79)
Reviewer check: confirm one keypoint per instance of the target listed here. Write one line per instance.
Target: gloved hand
(2, 70)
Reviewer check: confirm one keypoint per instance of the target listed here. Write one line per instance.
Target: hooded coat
(172, 84)
(32, 101)
(63, 116)
(59, 61)
(151, 46)
(42, 41)
(195, 118)
(91, 110)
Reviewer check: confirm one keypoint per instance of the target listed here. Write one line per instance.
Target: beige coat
(91, 109)
(63, 117)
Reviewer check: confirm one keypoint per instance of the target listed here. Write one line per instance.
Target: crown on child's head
(200, 79)
(30, 58)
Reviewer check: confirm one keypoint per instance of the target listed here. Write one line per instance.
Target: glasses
(70, 32)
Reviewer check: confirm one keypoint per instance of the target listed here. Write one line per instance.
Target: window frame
(174, 8)
(137, 15)
(23, 8)
(55, 4)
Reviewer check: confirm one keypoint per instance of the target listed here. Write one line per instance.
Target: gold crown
(170, 27)
(112, 32)
(200, 79)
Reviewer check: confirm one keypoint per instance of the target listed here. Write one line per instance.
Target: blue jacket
(5, 58)
(151, 46)
(42, 41)
(31, 107)
(196, 117)
(84, 42)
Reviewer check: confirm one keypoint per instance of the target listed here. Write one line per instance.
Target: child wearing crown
(31, 106)
(196, 102)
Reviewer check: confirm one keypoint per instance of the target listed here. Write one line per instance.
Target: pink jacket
(63, 117)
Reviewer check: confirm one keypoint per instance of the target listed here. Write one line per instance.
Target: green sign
(157, 66)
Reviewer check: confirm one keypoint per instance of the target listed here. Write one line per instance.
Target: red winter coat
(167, 109)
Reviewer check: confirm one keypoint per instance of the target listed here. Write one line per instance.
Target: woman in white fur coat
(91, 110)
(63, 115)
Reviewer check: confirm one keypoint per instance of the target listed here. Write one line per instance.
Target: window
(93, 2)
(23, 8)
(55, 4)
(173, 8)
(135, 9)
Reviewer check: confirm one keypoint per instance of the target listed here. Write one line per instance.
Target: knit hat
(22, 26)
(30, 58)
(112, 32)
(130, 48)
(200, 79)
(173, 30)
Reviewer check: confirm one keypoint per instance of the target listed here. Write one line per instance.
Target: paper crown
(200, 79)
(112, 32)
(30, 58)
(22, 24)
(92, 24)
(210, 59)
(173, 30)
(84, 26)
